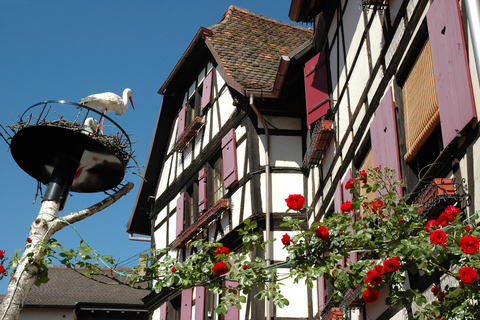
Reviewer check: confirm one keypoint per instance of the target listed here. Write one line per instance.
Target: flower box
(189, 133)
(439, 193)
(321, 137)
(333, 314)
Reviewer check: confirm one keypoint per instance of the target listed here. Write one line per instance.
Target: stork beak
(131, 102)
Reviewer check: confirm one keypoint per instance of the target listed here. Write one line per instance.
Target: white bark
(41, 230)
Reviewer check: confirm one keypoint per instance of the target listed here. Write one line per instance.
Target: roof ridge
(232, 9)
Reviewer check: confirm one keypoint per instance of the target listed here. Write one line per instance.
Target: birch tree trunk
(41, 230)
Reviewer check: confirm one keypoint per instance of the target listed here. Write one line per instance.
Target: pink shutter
(321, 293)
(163, 311)
(347, 196)
(180, 212)
(229, 157)
(202, 190)
(383, 133)
(199, 303)
(450, 66)
(207, 90)
(338, 198)
(233, 313)
(181, 121)
(316, 87)
(186, 307)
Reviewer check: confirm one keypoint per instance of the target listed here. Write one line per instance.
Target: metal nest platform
(62, 136)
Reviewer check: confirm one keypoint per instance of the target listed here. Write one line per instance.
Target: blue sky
(59, 49)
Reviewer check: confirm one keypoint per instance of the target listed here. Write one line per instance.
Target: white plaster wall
(283, 184)
(160, 237)
(282, 123)
(163, 184)
(296, 294)
(343, 118)
(236, 201)
(359, 77)
(286, 151)
(376, 38)
(353, 30)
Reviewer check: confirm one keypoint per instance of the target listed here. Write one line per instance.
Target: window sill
(211, 214)
(189, 134)
(322, 135)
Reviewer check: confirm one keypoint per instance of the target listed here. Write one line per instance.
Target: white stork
(109, 101)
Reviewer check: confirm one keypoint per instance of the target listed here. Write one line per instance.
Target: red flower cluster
(370, 294)
(438, 237)
(437, 292)
(377, 206)
(448, 216)
(432, 224)
(220, 268)
(392, 264)
(468, 275)
(374, 277)
(2, 252)
(469, 244)
(295, 202)
(350, 184)
(363, 176)
(222, 250)
(286, 240)
(347, 206)
(322, 233)
(2, 269)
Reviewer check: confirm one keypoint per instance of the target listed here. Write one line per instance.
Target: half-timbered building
(228, 145)
(258, 109)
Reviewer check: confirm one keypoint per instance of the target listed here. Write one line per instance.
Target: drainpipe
(473, 16)
(268, 251)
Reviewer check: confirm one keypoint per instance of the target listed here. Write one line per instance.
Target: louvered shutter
(233, 312)
(199, 303)
(186, 307)
(202, 190)
(207, 90)
(383, 133)
(450, 65)
(181, 121)
(180, 212)
(316, 87)
(229, 157)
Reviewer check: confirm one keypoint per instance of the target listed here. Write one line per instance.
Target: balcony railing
(189, 133)
(208, 216)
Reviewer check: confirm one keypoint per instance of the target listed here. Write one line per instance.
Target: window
(217, 173)
(191, 210)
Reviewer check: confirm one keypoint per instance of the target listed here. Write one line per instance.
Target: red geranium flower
(363, 176)
(438, 237)
(2, 252)
(350, 184)
(295, 202)
(220, 268)
(370, 295)
(322, 233)
(223, 250)
(286, 240)
(2, 269)
(392, 264)
(468, 275)
(469, 244)
(431, 224)
(373, 277)
(347, 206)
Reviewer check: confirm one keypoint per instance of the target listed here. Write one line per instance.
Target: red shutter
(180, 212)
(202, 190)
(383, 133)
(186, 307)
(163, 311)
(181, 121)
(229, 157)
(207, 90)
(338, 198)
(316, 87)
(347, 196)
(450, 66)
(233, 313)
(321, 293)
(199, 303)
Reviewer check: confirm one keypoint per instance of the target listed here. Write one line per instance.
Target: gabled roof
(250, 46)
(66, 288)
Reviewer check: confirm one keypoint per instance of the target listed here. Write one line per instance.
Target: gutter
(473, 16)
